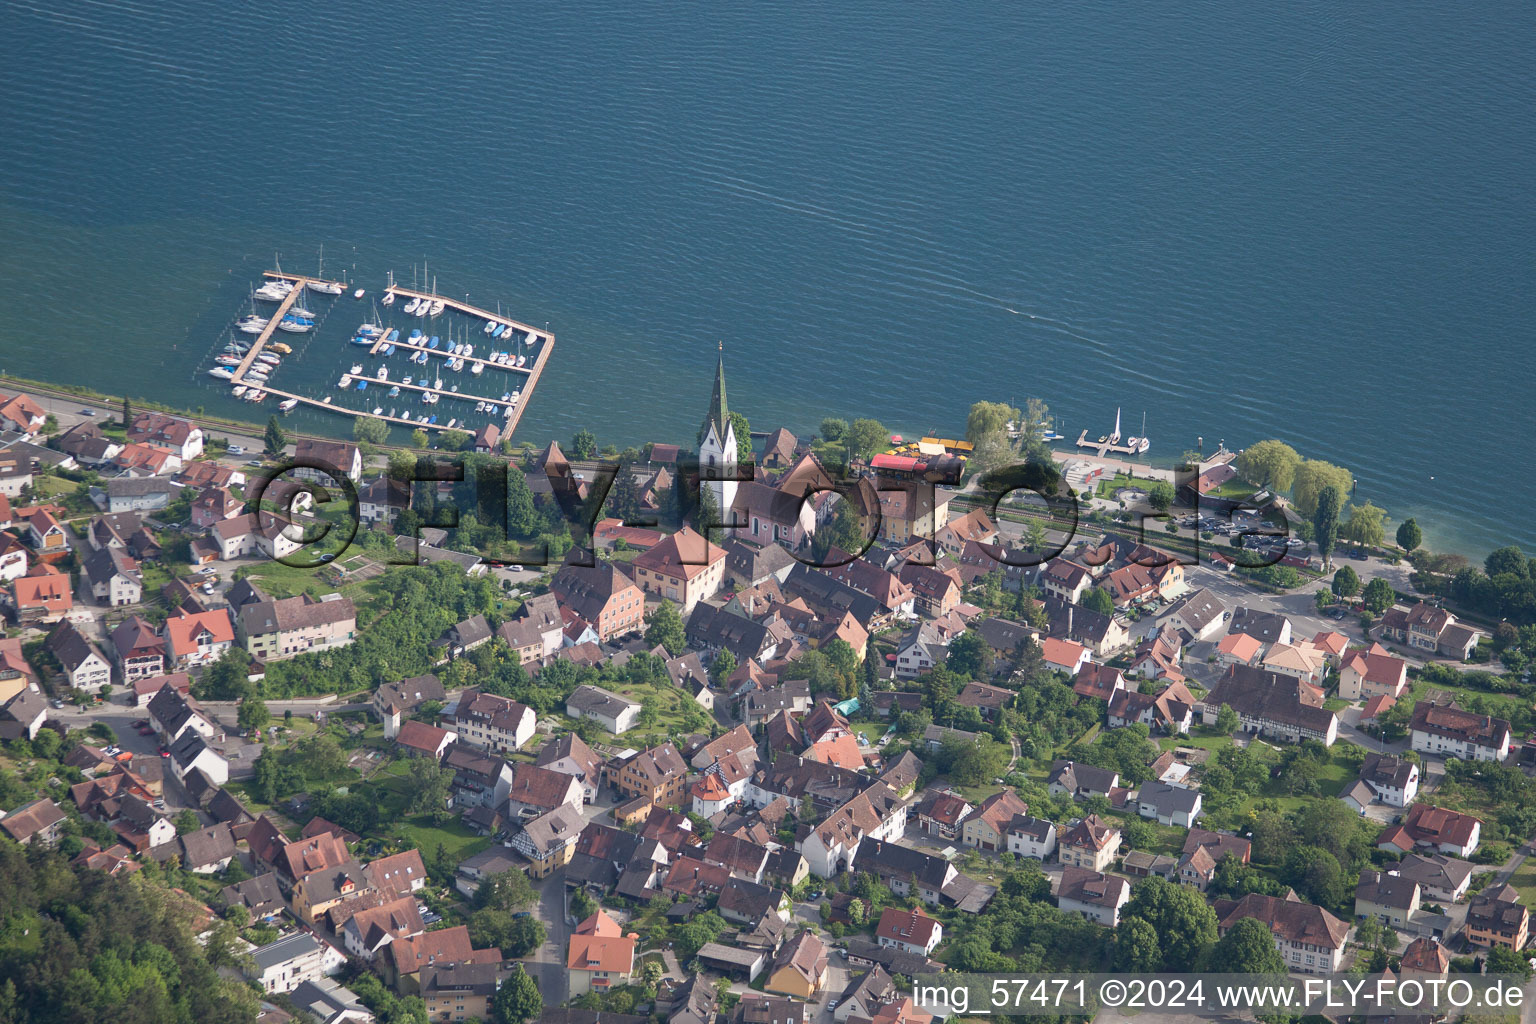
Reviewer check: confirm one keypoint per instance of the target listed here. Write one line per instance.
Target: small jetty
(1103, 446)
(542, 340)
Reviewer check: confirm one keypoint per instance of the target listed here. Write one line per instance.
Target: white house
(1096, 896)
(1029, 836)
(283, 965)
(614, 713)
(1452, 732)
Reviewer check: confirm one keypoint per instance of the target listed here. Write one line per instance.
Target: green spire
(719, 415)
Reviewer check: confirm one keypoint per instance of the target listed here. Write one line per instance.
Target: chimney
(1069, 622)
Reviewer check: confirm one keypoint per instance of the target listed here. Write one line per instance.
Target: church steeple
(719, 415)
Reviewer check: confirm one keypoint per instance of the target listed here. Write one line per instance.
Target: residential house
(1392, 779)
(1169, 711)
(1372, 673)
(1301, 660)
(22, 414)
(139, 651)
(614, 713)
(1265, 627)
(920, 651)
(1238, 649)
(112, 578)
(495, 723)
(684, 569)
(909, 511)
(1390, 898)
(463, 637)
(174, 712)
(1275, 706)
(600, 595)
(1168, 805)
(752, 565)
(1098, 682)
(934, 592)
(326, 461)
(1427, 628)
(601, 956)
(1090, 843)
(13, 555)
(328, 1002)
(194, 639)
(1080, 781)
(41, 596)
(324, 888)
(23, 714)
(1096, 896)
(405, 959)
(1449, 731)
(1442, 879)
(1308, 938)
(84, 665)
(986, 828)
(658, 774)
(1204, 851)
(192, 753)
(569, 754)
(1198, 615)
(1065, 580)
(1064, 655)
(1449, 832)
(1033, 837)
(800, 968)
(369, 930)
(865, 995)
(1497, 918)
(382, 499)
(460, 990)
(208, 850)
(392, 701)
(285, 964)
(940, 815)
(480, 779)
(138, 494)
(290, 626)
(39, 822)
(878, 812)
(182, 436)
(260, 896)
(1424, 959)
(910, 931)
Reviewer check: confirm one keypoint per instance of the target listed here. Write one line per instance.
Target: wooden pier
(1102, 448)
(542, 339)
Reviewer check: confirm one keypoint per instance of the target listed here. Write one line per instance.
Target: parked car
(87, 412)
(236, 449)
(207, 570)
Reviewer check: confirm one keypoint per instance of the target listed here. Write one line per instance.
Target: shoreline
(250, 430)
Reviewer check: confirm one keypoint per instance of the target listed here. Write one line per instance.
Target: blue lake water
(1310, 220)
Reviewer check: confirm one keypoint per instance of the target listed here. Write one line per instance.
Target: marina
(249, 376)
(1110, 444)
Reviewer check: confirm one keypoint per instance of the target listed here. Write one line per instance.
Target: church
(759, 512)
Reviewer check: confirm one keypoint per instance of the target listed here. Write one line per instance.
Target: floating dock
(1104, 447)
(543, 339)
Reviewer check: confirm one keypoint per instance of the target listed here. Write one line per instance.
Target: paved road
(547, 964)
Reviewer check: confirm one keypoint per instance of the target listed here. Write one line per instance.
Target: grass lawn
(458, 840)
(871, 731)
(1204, 741)
(1524, 879)
(281, 580)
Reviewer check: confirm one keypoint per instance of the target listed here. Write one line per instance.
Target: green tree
(584, 444)
(1247, 948)
(1509, 561)
(517, 1000)
(1507, 961)
(419, 438)
(275, 439)
(989, 418)
(1097, 599)
(454, 440)
(1312, 478)
(1136, 947)
(1160, 495)
(1325, 522)
(127, 413)
(1346, 582)
(665, 627)
(1270, 464)
(253, 715)
(1316, 875)
(1034, 537)
(226, 679)
(431, 784)
(369, 430)
(1377, 596)
(1409, 536)
(866, 437)
(509, 891)
(743, 431)
(187, 822)
(970, 656)
(1184, 922)
(1367, 525)
(721, 668)
(833, 429)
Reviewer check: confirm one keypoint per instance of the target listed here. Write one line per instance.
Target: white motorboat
(477, 369)
(288, 405)
(221, 372)
(300, 312)
(438, 307)
(237, 390)
(421, 310)
(388, 299)
(383, 373)
(410, 307)
(490, 325)
(438, 384)
(452, 423)
(275, 290)
(378, 409)
(346, 379)
(357, 368)
(469, 350)
(406, 379)
(358, 294)
(295, 326)
(479, 407)
(325, 287)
